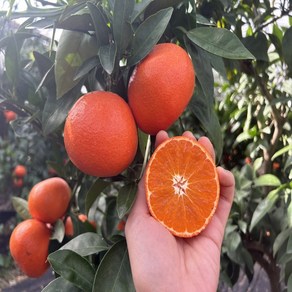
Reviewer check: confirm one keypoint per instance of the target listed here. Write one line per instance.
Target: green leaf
(59, 231)
(263, 208)
(258, 46)
(220, 42)
(61, 285)
(95, 190)
(73, 49)
(108, 55)
(267, 180)
(86, 244)
(12, 60)
(139, 8)
(55, 111)
(122, 28)
(158, 5)
(282, 151)
(281, 239)
(289, 284)
(257, 164)
(21, 207)
(203, 70)
(99, 20)
(286, 47)
(73, 268)
(86, 67)
(126, 198)
(203, 109)
(143, 138)
(289, 244)
(148, 34)
(114, 271)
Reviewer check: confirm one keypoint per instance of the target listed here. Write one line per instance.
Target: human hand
(162, 262)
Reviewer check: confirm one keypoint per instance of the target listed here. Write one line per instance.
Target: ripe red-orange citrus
(100, 134)
(49, 199)
(182, 186)
(161, 87)
(19, 170)
(9, 115)
(29, 244)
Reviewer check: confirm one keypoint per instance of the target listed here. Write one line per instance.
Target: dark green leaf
(267, 180)
(258, 46)
(111, 219)
(263, 208)
(203, 70)
(60, 285)
(289, 284)
(139, 8)
(220, 42)
(73, 49)
(86, 67)
(126, 197)
(55, 111)
(80, 21)
(289, 244)
(114, 272)
(122, 28)
(148, 34)
(107, 55)
(100, 24)
(281, 239)
(12, 60)
(21, 207)
(158, 5)
(95, 190)
(86, 244)
(73, 268)
(143, 138)
(286, 47)
(203, 109)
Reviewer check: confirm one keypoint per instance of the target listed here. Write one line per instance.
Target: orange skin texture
(19, 171)
(10, 115)
(161, 87)
(29, 244)
(49, 199)
(100, 134)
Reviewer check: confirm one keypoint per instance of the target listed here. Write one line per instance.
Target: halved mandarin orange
(182, 186)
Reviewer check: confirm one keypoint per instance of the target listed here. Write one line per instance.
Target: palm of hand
(163, 262)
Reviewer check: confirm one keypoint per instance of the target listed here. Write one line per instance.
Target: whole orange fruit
(100, 134)
(182, 186)
(49, 199)
(19, 170)
(29, 244)
(161, 87)
(9, 115)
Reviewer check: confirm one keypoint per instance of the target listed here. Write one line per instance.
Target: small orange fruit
(18, 182)
(49, 199)
(9, 115)
(69, 229)
(19, 170)
(182, 186)
(100, 134)
(161, 87)
(29, 244)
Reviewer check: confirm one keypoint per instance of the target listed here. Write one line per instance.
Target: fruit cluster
(48, 201)
(100, 133)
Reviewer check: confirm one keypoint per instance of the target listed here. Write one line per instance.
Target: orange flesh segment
(182, 186)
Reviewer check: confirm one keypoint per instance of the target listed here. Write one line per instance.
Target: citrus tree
(64, 49)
